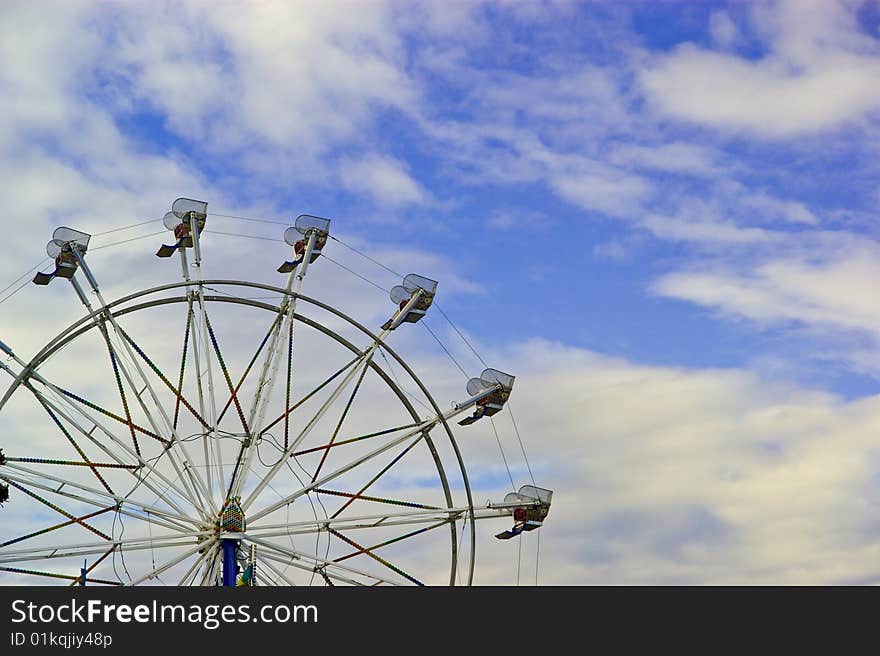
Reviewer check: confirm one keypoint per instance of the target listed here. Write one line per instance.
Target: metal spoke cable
(538, 558)
(446, 350)
(15, 291)
(125, 241)
(150, 528)
(355, 273)
(236, 234)
(263, 297)
(249, 218)
(518, 557)
(120, 549)
(460, 541)
(364, 255)
(521, 445)
(503, 457)
(25, 274)
(460, 334)
(128, 227)
(24, 284)
(96, 234)
(274, 442)
(449, 354)
(367, 280)
(400, 275)
(400, 385)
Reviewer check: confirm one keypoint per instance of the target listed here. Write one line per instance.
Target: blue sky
(631, 202)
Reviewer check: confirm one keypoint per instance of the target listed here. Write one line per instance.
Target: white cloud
(821, 72)
(825, 291)
(673, 157)
(662, 474)
(384, 178)
(273, 86)
(789, 211)
(595, 187)
(722, 28)
(610, 250)
(703, 231)
(691, 476)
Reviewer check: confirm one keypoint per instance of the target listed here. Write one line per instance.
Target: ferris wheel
(236, 433)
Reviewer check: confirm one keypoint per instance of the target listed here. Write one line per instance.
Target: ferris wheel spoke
(418, 433)
(233, 395)
(56, 552)
(54, 575)
(281, 575)
(372, 521)
(51, 505)
(192, 571)
(314, 391)
(50, 406)
(117, 500)
(76, 446)
(177, 391)
(120, 509)
(182, 370)
(375, 478)
(94, 406)
(378, 559)
(271, 338)
(211, 570)
(249, 368)
(288, 387)
(362, 359)
(192, 477)
(209, 369)
(400, 538)
(244, 457)
(70, 463)
(99, 321)
(242, 461)
(295, 556)
(156, 571)
(352, 440)
(271, 362)
(212, 398)
(219, 354)
(362, 497)
(97, 424)
(289, 561)
(370, 550)
(188, 492)
(189, 332)
(97, 562)
(73, 520)
(345, 411)
(121, 388)
(102, 317)
(189, 477)
(339, 472)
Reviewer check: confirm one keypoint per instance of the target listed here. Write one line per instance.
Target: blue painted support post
(82, 574)
(230, 566)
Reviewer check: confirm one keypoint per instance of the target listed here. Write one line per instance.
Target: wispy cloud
(566, 172)
(819, 71)
(383, 178)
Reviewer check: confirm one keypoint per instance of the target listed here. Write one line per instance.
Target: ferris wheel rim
(86, 323)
